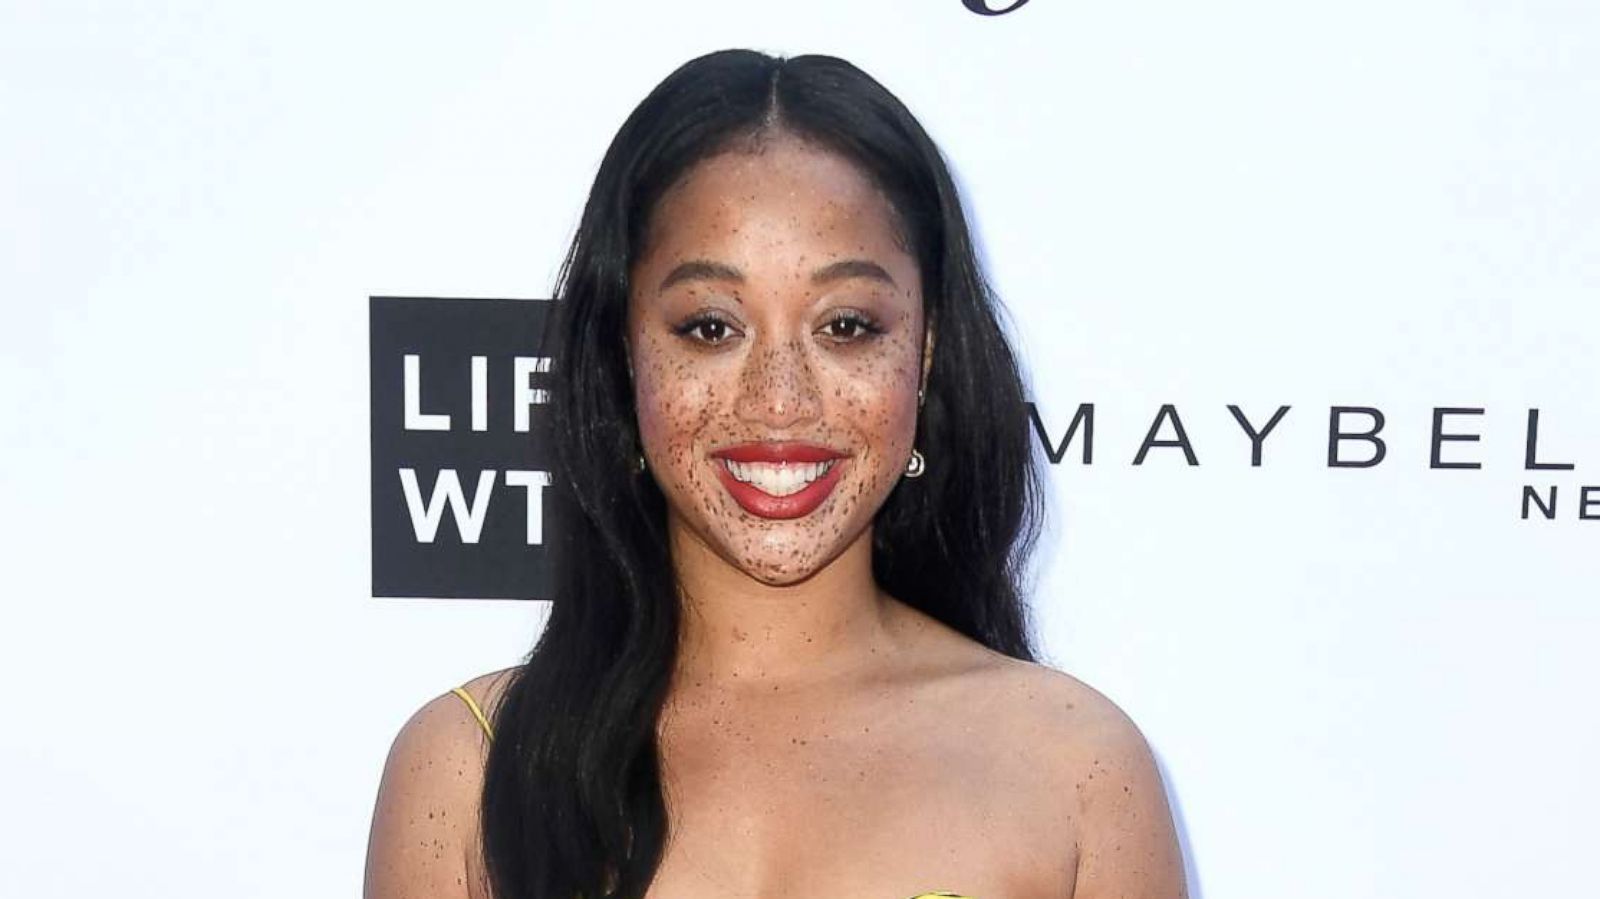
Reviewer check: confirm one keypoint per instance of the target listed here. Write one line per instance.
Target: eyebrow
(706, 270)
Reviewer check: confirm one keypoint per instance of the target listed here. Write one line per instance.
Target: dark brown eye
(851, 326)
(708, 328)
(712, 330)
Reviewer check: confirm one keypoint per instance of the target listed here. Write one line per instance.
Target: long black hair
(572, 799)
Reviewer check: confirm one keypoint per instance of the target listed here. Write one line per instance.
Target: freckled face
(772, 302)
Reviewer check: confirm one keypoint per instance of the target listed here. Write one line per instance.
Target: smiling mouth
(778, 479)
(778, 491)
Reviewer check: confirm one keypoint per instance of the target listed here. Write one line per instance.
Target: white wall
(1360, 682)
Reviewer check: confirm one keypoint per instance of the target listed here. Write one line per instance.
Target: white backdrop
(1360, 682)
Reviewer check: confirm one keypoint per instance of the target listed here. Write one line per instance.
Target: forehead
(785, 195)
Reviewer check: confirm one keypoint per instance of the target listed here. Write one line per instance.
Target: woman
(794, 495)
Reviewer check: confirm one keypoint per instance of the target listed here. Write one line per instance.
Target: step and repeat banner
(1308, 298)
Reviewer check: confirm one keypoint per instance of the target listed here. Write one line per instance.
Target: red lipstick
(779, 452)
(757, 501)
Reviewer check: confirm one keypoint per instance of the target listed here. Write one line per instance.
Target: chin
(776, 573)
(777, 570)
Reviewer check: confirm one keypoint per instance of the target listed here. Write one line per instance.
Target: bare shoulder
(487, 689)
(425, 819)
(1126, 839)
(1083, 718)
(1034, 703)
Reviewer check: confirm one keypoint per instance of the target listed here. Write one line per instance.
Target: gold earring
(915, 467)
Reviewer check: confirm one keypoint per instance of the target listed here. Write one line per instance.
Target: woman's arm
(425, 819)
(1128, 845)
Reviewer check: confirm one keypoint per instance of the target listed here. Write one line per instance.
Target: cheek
(673, 403)
(879, 395)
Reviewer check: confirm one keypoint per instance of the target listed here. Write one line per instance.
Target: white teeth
(778, 480)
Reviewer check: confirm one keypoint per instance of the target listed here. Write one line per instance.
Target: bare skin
(820, 736)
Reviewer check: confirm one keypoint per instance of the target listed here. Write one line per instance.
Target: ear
(927, 355)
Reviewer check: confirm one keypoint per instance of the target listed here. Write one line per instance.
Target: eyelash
(867, 327)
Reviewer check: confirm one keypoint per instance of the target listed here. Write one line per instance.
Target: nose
(778, 385)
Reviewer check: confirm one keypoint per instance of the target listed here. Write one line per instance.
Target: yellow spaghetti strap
(476, 712)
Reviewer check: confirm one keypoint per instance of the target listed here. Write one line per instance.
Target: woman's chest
(775, 811)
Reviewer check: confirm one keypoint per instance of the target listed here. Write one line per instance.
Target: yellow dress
(483, 721)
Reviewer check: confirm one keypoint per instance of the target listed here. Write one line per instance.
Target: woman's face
(772, 302)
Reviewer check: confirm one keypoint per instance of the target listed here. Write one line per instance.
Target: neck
(740, 632)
